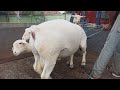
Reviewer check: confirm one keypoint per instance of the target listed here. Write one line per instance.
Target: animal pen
(12, 26)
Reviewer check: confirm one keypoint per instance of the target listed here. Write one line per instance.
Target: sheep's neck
(28, 48)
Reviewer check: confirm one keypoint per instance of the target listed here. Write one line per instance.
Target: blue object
(83, 13)
(98, 17)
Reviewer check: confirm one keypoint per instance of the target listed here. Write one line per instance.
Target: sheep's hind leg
(71, 62)
(83, 48)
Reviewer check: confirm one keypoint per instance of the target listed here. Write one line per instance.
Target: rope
(93, 34)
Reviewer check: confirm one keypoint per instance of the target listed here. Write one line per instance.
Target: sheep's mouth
(16, 54)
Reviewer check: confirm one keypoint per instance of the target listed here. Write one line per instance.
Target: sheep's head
(27, 33)
(19, 47)
(77, 18)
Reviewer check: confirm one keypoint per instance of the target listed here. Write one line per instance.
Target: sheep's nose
(15, 53)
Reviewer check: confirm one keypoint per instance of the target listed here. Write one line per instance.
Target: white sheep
(27, 34)
(21, 47)
(53, 39)
(77, 18)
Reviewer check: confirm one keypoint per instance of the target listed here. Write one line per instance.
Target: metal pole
(83, 19)
(65, 16)
(18, 15)
(71, 19)
(98, 17)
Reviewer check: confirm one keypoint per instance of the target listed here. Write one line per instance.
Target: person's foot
(90, 76)
(112, 72)
(107, 27)
(115, 75)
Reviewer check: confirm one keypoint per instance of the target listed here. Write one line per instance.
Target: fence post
(73, 13)
(83, 13)
(98, 18)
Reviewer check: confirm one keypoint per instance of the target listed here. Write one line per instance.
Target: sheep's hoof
(50, 77)
(71, 66)
(83, 63)
(83, 66)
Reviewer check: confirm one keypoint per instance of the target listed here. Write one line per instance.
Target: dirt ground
(22, 69)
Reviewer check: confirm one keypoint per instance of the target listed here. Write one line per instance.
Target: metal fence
(30, 17)
(24, 17)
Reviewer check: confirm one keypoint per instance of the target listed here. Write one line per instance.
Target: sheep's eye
(20, 43)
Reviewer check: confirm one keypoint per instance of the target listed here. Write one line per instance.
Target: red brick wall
(91, 17)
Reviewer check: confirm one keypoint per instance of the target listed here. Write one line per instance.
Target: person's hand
(107, 27)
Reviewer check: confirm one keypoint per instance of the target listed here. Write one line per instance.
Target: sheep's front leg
(49, 66)
(70, 62)
(37, 64)
(36, 57)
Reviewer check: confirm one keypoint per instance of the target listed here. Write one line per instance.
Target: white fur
(27, 34)
(53, 39)
(77, 18)
(20, 46)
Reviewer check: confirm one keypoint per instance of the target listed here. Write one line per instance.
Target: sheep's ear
(26, 29)
(23, 42)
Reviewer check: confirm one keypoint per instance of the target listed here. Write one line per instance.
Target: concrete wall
(13, 25)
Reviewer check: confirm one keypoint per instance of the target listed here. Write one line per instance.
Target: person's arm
(112, 17)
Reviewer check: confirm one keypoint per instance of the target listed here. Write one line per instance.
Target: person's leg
(116, 62)
(107, 51)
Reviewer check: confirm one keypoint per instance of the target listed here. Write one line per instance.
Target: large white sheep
(53, 39)
(27, 34)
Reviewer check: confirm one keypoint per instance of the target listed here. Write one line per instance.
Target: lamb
(77, 18)
(21, 47)
(53, 39)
